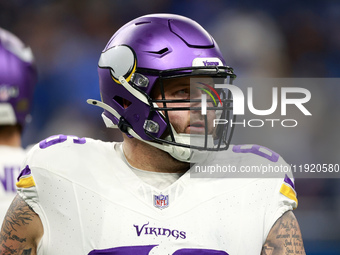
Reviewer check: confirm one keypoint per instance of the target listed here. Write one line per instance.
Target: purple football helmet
(138, 57)
(18, 76)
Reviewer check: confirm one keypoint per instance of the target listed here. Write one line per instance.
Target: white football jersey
(10, 164)
(91, 202)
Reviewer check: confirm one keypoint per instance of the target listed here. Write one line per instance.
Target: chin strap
(180, 153)
(177, 152)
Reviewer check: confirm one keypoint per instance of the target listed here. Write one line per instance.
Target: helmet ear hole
(122, 102)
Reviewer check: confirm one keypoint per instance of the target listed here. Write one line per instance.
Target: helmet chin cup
(181, 153)
(189, 155)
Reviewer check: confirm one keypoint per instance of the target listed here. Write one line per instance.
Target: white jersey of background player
(17, 80)
(81, 196)
(10, 167)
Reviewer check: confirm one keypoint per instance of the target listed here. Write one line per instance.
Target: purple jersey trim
(25, 171)
(289, 181)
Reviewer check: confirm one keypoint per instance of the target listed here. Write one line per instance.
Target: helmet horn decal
(121, 60)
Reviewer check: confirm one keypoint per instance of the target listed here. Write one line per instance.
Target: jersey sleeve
(277, 181)
(56, 162)
(46, 183)
(51, 157)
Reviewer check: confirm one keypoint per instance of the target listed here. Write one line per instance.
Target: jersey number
(144, 250)
(258, 150)
(60, 139)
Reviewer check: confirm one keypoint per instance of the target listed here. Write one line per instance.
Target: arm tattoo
(284, 238)
(19, 214)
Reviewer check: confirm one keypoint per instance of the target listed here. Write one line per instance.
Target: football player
(18, 77)
(158, 79)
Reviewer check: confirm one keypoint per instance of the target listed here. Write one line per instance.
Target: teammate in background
(18, 77)
(157, 79)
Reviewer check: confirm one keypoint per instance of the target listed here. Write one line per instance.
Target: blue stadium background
(260, 38)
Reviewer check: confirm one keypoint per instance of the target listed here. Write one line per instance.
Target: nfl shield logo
(161, 201)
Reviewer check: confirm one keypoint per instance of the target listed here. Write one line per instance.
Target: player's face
(186, 121)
